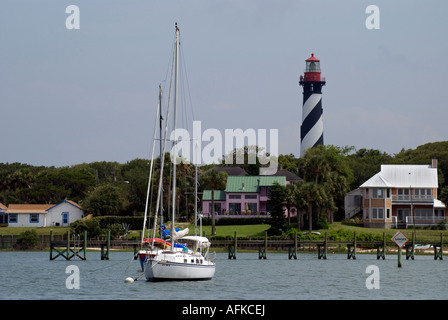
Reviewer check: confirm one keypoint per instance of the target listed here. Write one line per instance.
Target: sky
(69, 96)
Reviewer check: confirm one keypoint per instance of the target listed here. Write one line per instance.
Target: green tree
(365, 163)
(327, 168)
(92, 226)
(310, 195)
(289, 162)
(277, 196)
(104, 200)
(291, 190)
(213, 180)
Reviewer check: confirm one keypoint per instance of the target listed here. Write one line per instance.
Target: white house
(43, 215)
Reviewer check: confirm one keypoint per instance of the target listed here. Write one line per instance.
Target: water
(32, 276)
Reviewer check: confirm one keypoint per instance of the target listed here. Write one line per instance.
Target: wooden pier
(293, 245)
(66, 250)
(75, 246)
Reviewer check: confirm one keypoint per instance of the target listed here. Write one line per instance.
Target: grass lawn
(336, 229)
(39, 230)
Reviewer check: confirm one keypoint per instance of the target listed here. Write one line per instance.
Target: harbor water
(33, 276)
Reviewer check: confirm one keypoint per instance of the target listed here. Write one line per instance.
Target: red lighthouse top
(312, 58)
(312, 71)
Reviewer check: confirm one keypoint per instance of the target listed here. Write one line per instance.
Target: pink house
(244, 196)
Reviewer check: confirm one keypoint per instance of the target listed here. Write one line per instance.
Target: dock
(75, 246)
(322, 246)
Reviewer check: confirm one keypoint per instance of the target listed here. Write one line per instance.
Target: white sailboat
(183, 257)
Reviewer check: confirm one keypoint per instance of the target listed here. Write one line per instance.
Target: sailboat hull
(179, 268)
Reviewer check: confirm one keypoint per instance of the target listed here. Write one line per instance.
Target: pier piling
(105, 255)
(381, 248)
(351, 248)
(322, 249)
(292, 251)
(232, 249)
(69, 252)
(438, 249)
(262, 251)
(410, 248)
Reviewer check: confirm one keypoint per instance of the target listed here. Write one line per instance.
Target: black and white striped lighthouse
(312, 128)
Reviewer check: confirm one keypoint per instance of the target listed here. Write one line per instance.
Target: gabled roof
(231, 171)
(252, 183)
(291, 177)
(219, 195)
(28, 208)
(66, 201)
(3, 207)
(403, 176)
(36, 208)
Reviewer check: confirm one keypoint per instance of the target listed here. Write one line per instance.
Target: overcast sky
(69, 96)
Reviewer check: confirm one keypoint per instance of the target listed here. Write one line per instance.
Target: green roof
(251, 183)
(219, 195)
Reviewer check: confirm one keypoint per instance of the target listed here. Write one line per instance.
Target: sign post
(400, 240)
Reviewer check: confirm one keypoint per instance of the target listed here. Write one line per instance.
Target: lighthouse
(312, 128)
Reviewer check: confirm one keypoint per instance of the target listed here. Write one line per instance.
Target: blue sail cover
(164, 232)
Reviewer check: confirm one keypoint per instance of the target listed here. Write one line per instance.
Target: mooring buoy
(129, 280)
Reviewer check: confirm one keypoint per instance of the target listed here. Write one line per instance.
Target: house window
(439, 213)
(387, 213)
(234, 208)
(424, 213)
(250, 196)
(34, 218)
(234, 196)
(377, 213)
(13, 218)
(423, 193)
(217, 207)
(65, 218)
(402, 194)
(252, 207)
(378, 193)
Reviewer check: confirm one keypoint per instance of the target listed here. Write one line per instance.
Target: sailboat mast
(176, 79)
(161, 155)
(196, 192)
(149, 181)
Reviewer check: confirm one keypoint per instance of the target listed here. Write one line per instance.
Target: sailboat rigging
(183, 257)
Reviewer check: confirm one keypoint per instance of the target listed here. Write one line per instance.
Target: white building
(402, 195)
(43, 215)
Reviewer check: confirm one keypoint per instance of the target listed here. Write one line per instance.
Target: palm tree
(290, 195)
(213, 180)
(327, 167)
(308, 196)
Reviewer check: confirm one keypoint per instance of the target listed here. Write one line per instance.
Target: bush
(135, 223)
(92, 227)
(27, 240)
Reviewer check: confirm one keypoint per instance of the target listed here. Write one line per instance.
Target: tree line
(112, 188)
